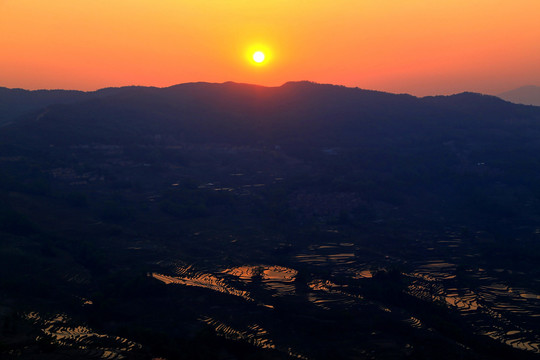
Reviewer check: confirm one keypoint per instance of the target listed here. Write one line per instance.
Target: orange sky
(416, 46)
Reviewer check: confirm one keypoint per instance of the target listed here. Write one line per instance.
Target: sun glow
(258, 56)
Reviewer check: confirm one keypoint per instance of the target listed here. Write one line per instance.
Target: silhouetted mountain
(16, 102)
(527, 95)
(214, 221)
(325, 115)
(432, 145)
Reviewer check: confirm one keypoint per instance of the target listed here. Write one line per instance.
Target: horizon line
(258, 85)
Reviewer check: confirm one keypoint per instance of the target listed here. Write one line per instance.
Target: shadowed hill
(325, 115)
(402, 140)
(376, 224)
(17, 102)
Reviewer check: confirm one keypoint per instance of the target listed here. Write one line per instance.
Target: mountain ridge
(14, 102)
(293, 106)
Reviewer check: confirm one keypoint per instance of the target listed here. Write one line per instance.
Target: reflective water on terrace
(278, 278)
(333, 275)
(326, 293)
(253, 334)
(90, 344)
(495, 309)
(189, 277)
(327, 254)
(437, 269)
(364, 274)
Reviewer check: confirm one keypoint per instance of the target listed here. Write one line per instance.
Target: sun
(258, 57)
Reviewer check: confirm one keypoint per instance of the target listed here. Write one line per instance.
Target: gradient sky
(420, 47)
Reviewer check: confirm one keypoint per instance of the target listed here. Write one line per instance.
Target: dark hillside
(239, 112)
(15, 103)
(234, 221)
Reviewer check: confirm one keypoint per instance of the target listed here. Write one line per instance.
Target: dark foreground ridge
(234, 221)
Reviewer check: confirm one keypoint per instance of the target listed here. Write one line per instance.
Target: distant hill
(528, 95)
(374, 137)
(231, 112)
(16, 102)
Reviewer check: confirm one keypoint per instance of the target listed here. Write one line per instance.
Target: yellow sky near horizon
(416, 46)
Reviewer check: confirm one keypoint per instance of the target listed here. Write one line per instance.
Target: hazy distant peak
(299, 83)
(475, 95)
(212, 85)
(307, 84)
(466, 98)
(528, 95)
(526, 87)
(463, 94)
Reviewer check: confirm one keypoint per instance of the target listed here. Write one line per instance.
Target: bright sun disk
(258, 56)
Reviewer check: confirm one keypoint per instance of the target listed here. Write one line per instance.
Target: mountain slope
(238, 221)
(445, 146)
(17, 102)
(238, 112)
